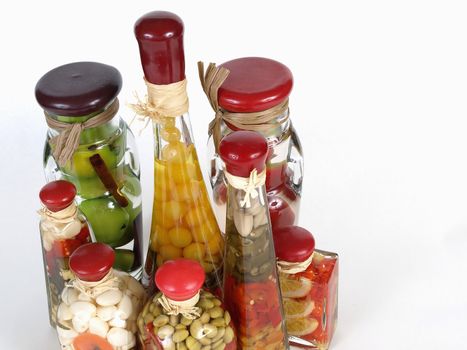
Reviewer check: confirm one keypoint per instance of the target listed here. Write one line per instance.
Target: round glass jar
(104, 165)
(99, 308)
(254, 86)
(309, 282)
(182, 315)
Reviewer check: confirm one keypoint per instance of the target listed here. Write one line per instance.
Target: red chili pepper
(65, 247)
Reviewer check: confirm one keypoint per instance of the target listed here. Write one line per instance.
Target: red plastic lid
(92, 261)
(243, 151)
(180, 279)
(254, 84)
(293, 243)
(78, 89)
(160, 40)
(57, 195)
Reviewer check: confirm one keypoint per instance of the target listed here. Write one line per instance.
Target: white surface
(379, 102)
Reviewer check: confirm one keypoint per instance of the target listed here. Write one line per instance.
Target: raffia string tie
(294, 267)
(263, 121)
(63, 224)
(161, 101)
(67, 141)
(94, 289)
(186, 308)
(247, 184)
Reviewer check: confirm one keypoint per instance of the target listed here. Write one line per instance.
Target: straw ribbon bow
(184, 308)
(67, 141)
(249, 185)
(94, 289)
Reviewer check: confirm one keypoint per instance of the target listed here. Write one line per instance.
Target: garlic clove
(69, 295)
(125, 308)
(243, 223)
(98, 326)
(119, 337)
(106, 313)
(80, 322)
(110, 297)
(66, 336)
(83, 307)
(64, 313)
(117, 322)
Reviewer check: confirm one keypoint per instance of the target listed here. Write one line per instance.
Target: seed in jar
(216, 312)
(243, 223)
(218, 346)
(218, 322)
(180, 326)
(174, 152)
(170, 252)
(124, 308)
(186, 321)
(110, 297)
(69, 295)
(180, 335)
(227, 318)
(206, 347)
(216, 302)
(160, 321)
(228, 335)
(196, 216)
(205, 304)
(217, 343)
(196, 329)
(117, 322)
(165, 331)
(210, 330)
(192, 343)
(205, 341)
(80, 322)
(181, 346)
(173, 320)
(220, 334)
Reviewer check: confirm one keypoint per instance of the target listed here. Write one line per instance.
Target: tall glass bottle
(81, 107)
(251, 285)
(183, 223)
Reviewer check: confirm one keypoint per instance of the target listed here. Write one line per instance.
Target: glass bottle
(104, 166)
(63, 229)
(309, 280)
(256, 86)
(183, 222)
(251, 286)
(98, 308)
(182, 315)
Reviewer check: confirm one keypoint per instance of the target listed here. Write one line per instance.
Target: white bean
(119, 337)
(117, 322)
(106, 313)
(80, 322)
(110, 297)
(83, 307)
(125, 308)
(98, 326)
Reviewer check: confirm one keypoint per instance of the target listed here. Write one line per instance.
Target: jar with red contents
(183, 315)
(251, 286)
(63, 229)
(254, 96)
(308, 280)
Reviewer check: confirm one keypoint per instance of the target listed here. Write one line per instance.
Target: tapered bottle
(183, 222)
(251, 285)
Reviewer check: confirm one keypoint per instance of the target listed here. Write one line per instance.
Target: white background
(380, 105)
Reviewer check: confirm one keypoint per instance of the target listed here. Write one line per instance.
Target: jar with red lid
(183, 315)
(99, 307)
(183, 222)
(63, 229)
(251, 285)
(90, 145)
(253, 94)
(309, 281)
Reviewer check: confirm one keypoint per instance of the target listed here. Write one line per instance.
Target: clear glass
(56, 270)
(103, 318)
(251, 286)
(310, 301)
(283, 179)
(213, 329)
(183, 222)
(111, 223)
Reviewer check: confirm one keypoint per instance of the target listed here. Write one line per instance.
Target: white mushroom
(81, 322)
(110, 297)
(117, 322)
(83, 307)
(69, 295)
(106, 313)
(66, 336)
(119, 337)
(64, 312)
(98, 326)
(125, 308)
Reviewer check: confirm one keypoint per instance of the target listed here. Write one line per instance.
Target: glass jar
(103, 165)
(182, 315)
(98, 308)
(63, 229)
(251, 286)
(309, 280)
(254, 96)
(183, 222)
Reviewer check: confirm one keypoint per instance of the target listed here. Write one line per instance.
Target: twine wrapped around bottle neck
(262, 121)
(186, 308)
(94, 289)
(58, 225)
(161, 101)
(247, 184)
(67, 141)
(294, 267)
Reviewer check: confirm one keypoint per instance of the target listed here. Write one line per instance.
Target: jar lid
(243, 151)
(160, 39)
(57, 195)
(293, 243)
(78, 89)
(180, 279)
(92, 261)
(254, 84)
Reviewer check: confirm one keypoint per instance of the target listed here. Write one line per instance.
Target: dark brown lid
(160, 40)
(78, 89)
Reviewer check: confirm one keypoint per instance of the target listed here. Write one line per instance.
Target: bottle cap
(57, 195)
(180, 279)
(243, 151)
(78, 89)
(293, 243)
(254, 84)
(92, 262)
(160, 39)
